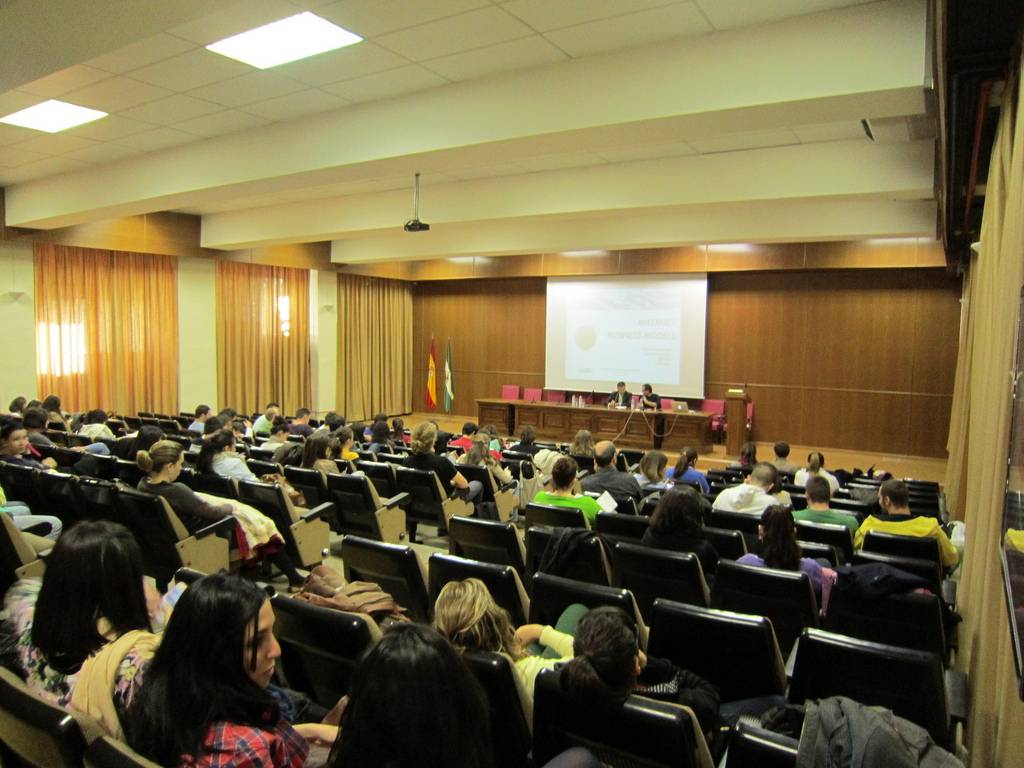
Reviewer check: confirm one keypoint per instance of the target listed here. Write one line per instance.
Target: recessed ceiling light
(291, 39)
(52, 116)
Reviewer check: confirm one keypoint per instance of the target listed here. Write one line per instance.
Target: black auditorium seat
(652, 573)
(501, 581)
(397, 569)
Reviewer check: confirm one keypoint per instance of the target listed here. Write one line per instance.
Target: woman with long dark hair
(779, 549)
(685, 470)
(414, 704)
(91, 595)
(205, 702)
(676, 525)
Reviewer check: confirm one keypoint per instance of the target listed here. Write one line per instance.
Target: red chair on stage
(532, 394)
(667, 404)
(554, 396)
(717, 410)
(509, 391)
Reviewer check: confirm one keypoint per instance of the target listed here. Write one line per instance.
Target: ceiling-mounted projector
(414, 224)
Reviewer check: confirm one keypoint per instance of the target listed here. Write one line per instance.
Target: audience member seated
(649, 399)
(263, 424)
(818, 495)
(748, 457)
(469, 429)
(346, 440)
(896, 517)
(526, 444)
(202, 413)
(285, 451)
(398, 431)
(128, 447)
(331, 422)
(206, 702)
(685, 470)
(650, 474)
(777, 534)
(608, 666)
(218, 457)
(94, 425)
(782, 462)
(414, 704)
(17, 405)
(24, 520)
(563, 490)
(380, 438)
(319, 453)
(495, 443)
(676, 525)
(51, 405)
(15, 447)
(752, 495)
(84, 633)
(621, 485)
(300, 424)
(479, 455)
(35, 421)
(467, 615)
(162, 464)
(621, 397)
(582, 444)
(815, 467)
(422, 456)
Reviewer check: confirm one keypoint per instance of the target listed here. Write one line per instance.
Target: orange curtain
(107, 328)
(262, 337)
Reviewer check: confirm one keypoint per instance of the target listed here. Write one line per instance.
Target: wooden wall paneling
(871, 421)
(887, 252)
(929, 424)
(522, 265)
(779, 413)
(596, 262)
(392, 270)
(745, 257)
(663, 260)
(934, 339)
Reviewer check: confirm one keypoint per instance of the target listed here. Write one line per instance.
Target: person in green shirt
(563, 490)
(818, 494)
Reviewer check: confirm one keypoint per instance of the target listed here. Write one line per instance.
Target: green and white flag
(449, 387)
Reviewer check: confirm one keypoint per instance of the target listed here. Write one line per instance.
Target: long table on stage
(636, 429)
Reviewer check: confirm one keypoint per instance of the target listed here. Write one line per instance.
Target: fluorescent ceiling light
(730, 248)
(291, 39)
(584, 254)
(53, 116)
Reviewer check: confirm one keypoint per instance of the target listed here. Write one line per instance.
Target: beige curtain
(955, 484)
(978, 448)
(374, 346)
(107, 329)
(262, 337)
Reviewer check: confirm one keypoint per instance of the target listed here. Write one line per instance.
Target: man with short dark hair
(202, 414)
(300, 424)
(782, 462)
(621, 485)
(266, 419)
(896, 517)
(818, 494)
(466, 439)
(621, 397)
(562, 493)
(649, 401)
(754, 495)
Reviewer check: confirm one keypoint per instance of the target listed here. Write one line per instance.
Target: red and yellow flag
(432, 378)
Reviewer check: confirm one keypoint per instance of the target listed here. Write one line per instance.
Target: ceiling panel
(523, 53)
(567, 160)
(475, 29)
(14, 101)
(116, 93)
(172, 109)
(730, 14)
(732, 142)
(627, 154)
(342, 64)
(487, 171)
(634, 29)
(109, 128)
(293, 105)
(105, 152)
(544, 15)
(55, 143)
(245, 89)
(228, 121)
(12, 157)
(375, 17)
(59, 83)
(230, 18)
(191, 69)
(12, 134)
(158, 138)
(384, 85)
(141, 53)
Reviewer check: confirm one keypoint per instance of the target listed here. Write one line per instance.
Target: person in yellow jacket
(894, 499)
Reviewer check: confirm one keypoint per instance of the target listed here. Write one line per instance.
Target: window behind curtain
(262, 337)
(107, 328)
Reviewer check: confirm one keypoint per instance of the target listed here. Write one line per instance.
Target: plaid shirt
(230, 745)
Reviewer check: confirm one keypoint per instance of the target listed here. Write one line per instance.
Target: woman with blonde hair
(480, 455)
(651, 472)
(467, 615)
(422, 456)
(582, 444)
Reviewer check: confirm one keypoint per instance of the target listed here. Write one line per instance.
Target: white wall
(17, 318)
(324, 345)
(197, 333)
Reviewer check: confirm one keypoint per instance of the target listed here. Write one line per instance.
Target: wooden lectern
(736, 420)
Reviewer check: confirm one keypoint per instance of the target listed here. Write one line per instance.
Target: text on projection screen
(638, 330)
